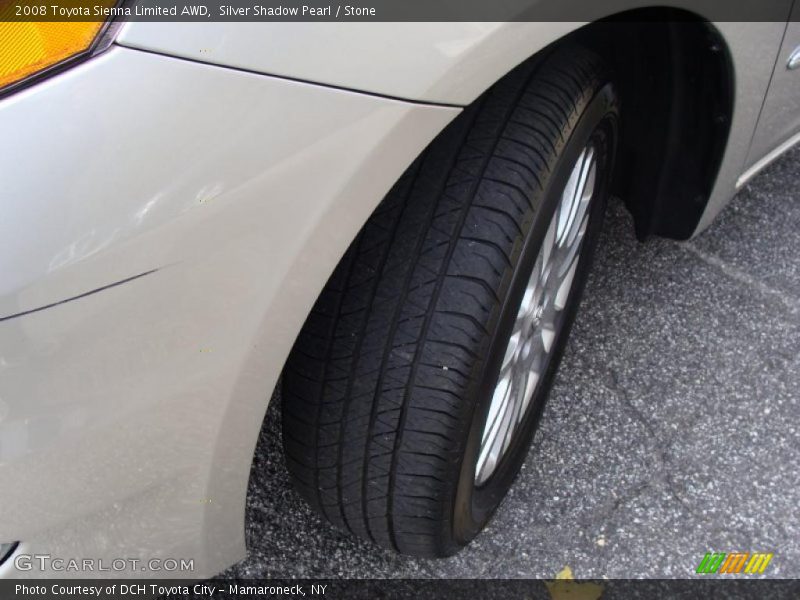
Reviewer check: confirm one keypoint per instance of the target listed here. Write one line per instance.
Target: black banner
(411, 589)
(391, 10)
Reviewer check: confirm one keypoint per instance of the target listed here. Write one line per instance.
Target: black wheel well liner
(676, 81)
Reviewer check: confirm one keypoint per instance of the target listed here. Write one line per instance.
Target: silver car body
(171, 210)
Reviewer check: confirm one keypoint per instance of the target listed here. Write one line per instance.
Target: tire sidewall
(473, 506)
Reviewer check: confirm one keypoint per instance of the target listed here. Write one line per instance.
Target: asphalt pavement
(671, 431)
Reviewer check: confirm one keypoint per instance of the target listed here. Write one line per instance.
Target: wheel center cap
(537, 314)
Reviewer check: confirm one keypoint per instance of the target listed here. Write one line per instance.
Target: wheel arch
(675, 76)
(453, 63)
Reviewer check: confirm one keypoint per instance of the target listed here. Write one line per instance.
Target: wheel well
(675, 80)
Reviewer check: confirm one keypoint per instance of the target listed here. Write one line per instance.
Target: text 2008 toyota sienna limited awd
(398, 217)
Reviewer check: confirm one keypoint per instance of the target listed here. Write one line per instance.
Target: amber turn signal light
(30, 47)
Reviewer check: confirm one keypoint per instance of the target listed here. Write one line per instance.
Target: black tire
(381, 439)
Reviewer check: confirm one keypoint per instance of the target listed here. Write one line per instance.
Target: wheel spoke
(544, 264)
(562, 293)
(572, 251)
(549, 246)
(533, 380)
(514, 407)
(548, 335)
(582, 204)
(489, 454)
(502, 391)
(511, 350)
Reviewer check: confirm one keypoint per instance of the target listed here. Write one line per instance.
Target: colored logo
(734, 562)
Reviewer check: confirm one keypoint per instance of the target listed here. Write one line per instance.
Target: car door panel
(780, 115)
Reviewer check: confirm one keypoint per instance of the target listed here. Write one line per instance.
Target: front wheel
(413, 391)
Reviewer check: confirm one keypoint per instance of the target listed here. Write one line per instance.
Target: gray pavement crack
(791, 303)
(660, 447)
